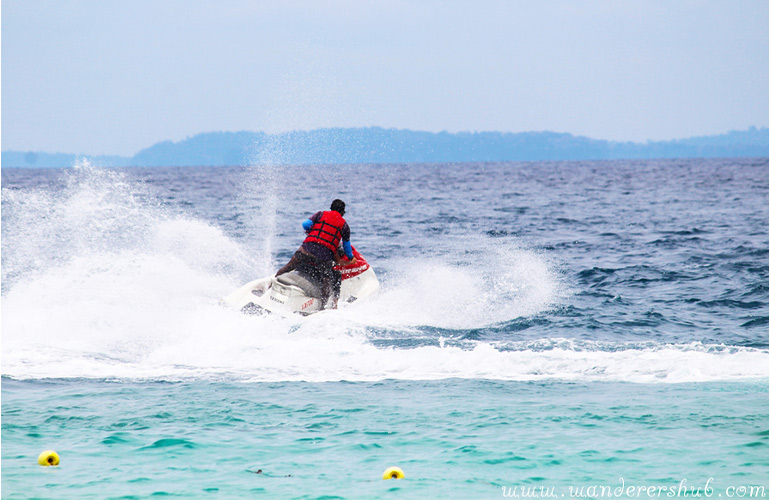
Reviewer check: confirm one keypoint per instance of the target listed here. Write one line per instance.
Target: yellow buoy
(48, 458)
(393, 473)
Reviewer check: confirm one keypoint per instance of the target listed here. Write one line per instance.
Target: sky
(113, 77)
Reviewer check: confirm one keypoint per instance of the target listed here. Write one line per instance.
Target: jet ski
(296, 292)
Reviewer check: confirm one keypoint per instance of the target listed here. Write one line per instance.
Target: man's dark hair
(338, 206)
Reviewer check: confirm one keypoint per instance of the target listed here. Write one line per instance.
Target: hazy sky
(113, 77)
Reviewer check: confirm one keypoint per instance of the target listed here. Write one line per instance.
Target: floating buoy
(393, 473)
(48, 458)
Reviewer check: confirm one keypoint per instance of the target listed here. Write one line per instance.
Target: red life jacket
(327, 231)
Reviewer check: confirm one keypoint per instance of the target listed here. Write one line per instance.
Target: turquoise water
(453, 438)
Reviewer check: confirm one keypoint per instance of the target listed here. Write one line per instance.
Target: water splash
(260, 190)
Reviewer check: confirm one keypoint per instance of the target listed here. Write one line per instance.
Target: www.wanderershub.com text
(683, 489)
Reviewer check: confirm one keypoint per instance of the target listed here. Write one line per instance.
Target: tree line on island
(379, 145)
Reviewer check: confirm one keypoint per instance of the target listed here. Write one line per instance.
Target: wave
(240, 348)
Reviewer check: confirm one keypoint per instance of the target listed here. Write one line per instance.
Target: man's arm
(308, 223)
(346, 241)
(348, 249)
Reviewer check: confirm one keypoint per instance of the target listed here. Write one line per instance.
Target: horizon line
(750, 128)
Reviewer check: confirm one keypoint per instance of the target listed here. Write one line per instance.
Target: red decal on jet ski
(349, 270)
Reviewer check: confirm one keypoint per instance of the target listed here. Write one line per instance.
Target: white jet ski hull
(292, 293)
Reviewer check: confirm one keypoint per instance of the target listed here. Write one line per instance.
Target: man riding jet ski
(325, 267)
(318, 253)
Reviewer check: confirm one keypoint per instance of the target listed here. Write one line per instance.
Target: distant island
(378, 145)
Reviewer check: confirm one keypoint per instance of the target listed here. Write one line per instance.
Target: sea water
(544, 330)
